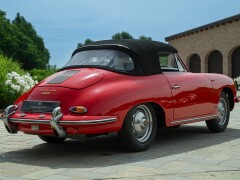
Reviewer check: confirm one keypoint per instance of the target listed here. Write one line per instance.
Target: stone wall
(224, 38)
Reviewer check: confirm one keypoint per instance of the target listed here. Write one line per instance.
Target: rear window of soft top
(108, 58)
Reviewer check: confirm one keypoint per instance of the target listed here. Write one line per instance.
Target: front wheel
(220, 123)
(139, 128)
(51, 139)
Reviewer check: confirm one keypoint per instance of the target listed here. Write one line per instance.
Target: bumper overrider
(57, 121)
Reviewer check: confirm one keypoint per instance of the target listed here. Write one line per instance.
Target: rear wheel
(139, 128)
(220, 123)
(51, 139)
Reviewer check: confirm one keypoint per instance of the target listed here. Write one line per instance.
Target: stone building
(213, 48)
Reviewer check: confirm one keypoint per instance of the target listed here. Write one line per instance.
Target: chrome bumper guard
(9, 111)
(58, 130)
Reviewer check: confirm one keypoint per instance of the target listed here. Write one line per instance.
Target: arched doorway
(195, 63)
(215, 62)
(236, 63)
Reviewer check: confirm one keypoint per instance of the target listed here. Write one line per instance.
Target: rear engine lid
(74, 78)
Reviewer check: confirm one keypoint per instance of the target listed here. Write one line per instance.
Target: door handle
(175, 86)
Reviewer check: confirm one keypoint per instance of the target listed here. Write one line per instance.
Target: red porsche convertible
(132, 87)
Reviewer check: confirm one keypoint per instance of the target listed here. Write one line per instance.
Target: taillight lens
(78, 109)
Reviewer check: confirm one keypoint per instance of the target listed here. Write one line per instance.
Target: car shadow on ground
(107, 151)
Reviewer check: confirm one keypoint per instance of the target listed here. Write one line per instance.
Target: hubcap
(142, 123)
(222, 112)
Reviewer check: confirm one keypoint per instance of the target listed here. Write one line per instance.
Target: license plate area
(39, 106)
(35, 127)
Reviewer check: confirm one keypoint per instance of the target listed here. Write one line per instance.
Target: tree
(33, 54)
(79, 45)
(142, 37)
(5, 34)
(20, 41)
(87, 41)
(122, 35)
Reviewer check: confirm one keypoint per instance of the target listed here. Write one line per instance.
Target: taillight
(78, 109)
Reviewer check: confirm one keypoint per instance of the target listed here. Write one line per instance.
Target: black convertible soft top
(144, 53)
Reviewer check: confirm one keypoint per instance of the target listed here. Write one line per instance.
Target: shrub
(41, 74)
(237, 82)
(6, 66)
(237, 79)
(13, 81)
(19, 84)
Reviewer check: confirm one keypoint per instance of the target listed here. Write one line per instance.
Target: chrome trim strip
(83, 122)
(30, 121)
(100, 121)
(194, 119)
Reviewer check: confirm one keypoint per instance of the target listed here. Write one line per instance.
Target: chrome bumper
(54, 121)
(56, 115)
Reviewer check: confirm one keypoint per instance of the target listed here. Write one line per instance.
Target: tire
(139, 128)
(51, 139)
(220, 123)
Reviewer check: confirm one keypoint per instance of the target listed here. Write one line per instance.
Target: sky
(64, 23)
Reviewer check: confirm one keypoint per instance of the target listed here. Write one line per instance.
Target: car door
(191, 92)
